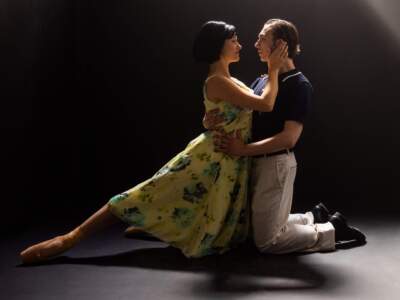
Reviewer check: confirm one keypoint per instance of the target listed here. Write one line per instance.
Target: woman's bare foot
(48, 249)
(51, 248)
(132, 231)
(138, 233)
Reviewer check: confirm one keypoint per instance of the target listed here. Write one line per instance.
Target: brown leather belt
(286, 151)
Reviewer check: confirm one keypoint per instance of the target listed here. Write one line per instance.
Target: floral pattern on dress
(194, 192)
(183, 217)
(134, 215)
(197, 201)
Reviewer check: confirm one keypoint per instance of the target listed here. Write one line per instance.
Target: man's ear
(277, 42)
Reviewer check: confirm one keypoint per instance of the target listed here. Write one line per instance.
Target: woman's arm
(223, 88)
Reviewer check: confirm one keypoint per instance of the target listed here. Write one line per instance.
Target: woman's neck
(219, 67)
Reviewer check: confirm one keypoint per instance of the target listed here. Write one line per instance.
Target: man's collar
(283, 76)
(286, 75)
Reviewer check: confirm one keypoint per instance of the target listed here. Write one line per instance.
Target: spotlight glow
(389, 12)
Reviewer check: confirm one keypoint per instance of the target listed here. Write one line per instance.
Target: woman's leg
(47, 249)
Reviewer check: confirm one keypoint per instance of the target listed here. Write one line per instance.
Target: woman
(197, 202)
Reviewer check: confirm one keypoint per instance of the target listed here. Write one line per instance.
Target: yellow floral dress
(197, 202)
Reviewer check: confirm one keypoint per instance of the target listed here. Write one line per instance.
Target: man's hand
(231, 144)
(212, 118)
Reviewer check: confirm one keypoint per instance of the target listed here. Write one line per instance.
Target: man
(275, 134)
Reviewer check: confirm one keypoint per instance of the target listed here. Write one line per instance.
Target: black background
(98, 95)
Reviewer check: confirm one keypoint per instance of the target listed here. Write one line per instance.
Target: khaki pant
(275, 229)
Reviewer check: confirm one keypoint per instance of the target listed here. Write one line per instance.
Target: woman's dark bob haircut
(210, 40)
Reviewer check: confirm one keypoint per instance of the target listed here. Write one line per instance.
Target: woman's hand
(278, 56)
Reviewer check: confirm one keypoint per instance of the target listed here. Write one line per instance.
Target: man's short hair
(285, 30)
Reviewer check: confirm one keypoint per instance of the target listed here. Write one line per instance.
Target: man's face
(265, 43)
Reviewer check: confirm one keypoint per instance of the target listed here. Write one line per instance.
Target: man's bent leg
(272, 185)
(301, 219)
(302, 238)
(275, 229)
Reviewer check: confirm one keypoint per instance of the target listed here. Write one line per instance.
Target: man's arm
(286, 139)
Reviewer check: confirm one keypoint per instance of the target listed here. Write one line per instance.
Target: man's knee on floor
(273, 248)
(271, 245)
(292, 238)
(261, 240)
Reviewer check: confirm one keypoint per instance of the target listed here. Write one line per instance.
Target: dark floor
(108, 266)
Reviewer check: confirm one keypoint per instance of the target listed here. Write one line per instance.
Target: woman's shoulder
(237, 81)
(240, 83)
(216, 79)
(217, 83)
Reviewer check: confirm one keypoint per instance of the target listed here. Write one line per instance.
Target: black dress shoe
(321, 213)
(344, 232)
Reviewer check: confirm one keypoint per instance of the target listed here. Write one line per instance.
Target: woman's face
(231, 49)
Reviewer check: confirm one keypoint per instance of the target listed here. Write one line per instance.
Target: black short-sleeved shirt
(292, 103)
